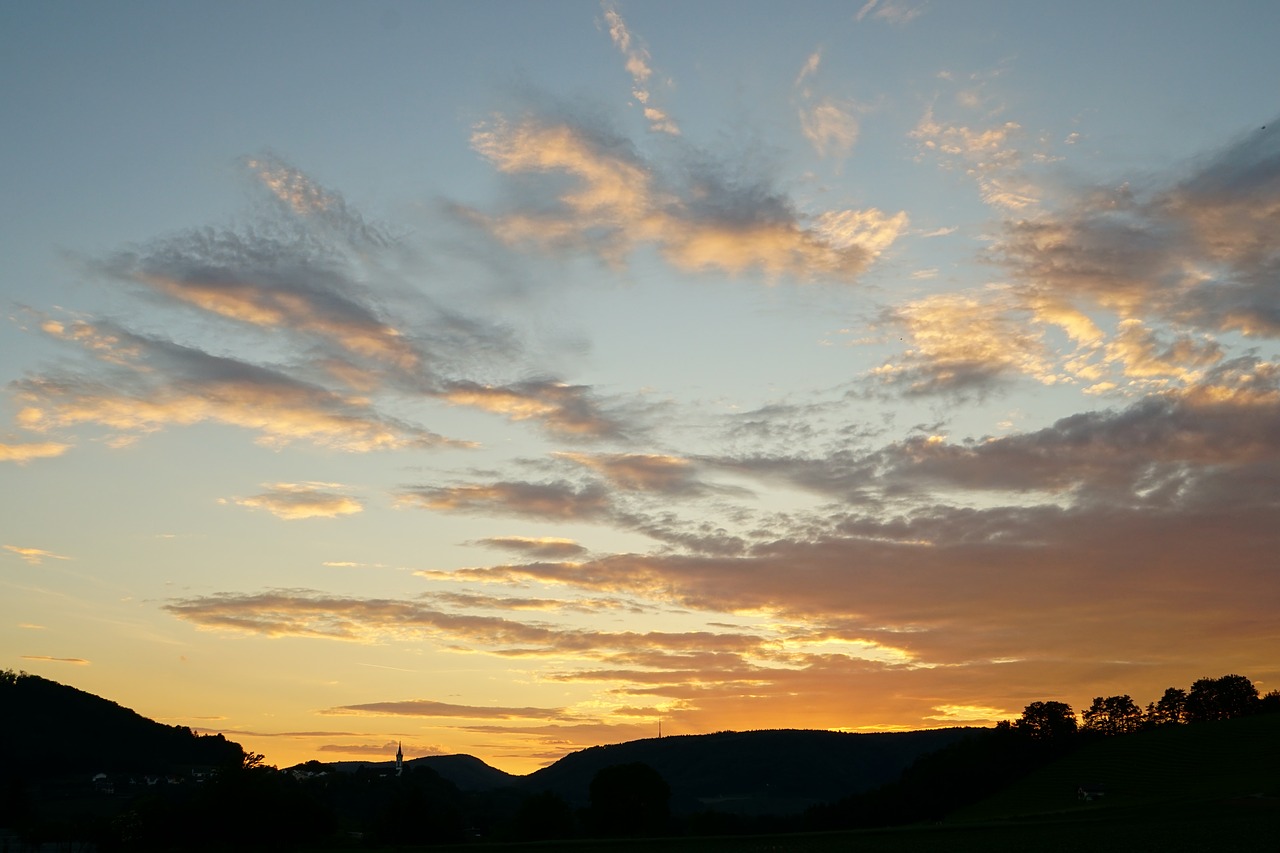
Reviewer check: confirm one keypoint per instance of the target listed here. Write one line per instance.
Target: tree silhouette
(1221, 698)
(1172, 708)
(1048, 720)
(1114, 715)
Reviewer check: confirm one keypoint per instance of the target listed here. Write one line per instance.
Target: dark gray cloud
(431, 708)
(557, 500)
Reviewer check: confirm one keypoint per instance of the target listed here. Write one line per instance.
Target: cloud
(556, 500)
(464, 600)
(989, 155)
(889, 11)
(957, 586)
(47, 659)
(637, 472)
(293, 501)
(386, 750)
(34, 556)
(1196, 249)
(637, 56)
(25, 452)
(307, 613)
(967, 342)
(564, 410)
(830, 124)
(430, 708)
(305, 198)
(156, 383)
(707, 221)
(545, 547)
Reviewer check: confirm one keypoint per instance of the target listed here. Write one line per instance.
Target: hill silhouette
(49, 730)
(759, 772)
(466, 772)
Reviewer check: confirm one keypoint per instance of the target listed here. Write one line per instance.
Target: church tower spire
(399, 759)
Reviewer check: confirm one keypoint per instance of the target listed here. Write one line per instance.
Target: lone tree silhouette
(1048, 720)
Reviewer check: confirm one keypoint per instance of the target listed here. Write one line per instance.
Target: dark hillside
(778, 772)
(51, 730)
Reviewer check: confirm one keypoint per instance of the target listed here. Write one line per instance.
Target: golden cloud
(293, 501)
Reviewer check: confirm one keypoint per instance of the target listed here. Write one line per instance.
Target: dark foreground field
(1240, 825)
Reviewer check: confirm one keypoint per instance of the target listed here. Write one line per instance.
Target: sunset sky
(502, 377)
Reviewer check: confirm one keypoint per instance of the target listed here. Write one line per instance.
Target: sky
(505, 378)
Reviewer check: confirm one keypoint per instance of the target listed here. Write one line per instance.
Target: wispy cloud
(386, 750)
(34, 556)
(47, 659)
(431, 708)
(889, 11)
(830, 124)
(650, 472)
(990, 154)
(640, 69)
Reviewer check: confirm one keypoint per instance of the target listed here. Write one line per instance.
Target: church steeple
(399, 759)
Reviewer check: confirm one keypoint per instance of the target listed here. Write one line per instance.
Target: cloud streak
(34, 556)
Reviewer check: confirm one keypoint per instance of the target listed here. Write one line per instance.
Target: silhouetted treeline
(988, 760)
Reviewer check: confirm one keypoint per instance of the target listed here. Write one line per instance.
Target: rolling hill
(48, 730)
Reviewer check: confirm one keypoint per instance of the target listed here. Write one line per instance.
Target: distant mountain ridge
(780, 771)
